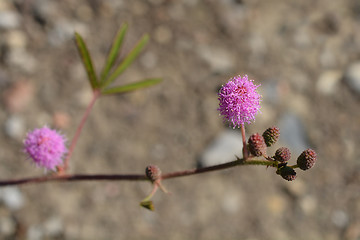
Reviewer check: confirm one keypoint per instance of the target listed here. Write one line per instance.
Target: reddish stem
(133, 177)
(96, 94)
(245, 150)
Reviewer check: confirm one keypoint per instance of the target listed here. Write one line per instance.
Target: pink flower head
(239, 101)
(45, 147)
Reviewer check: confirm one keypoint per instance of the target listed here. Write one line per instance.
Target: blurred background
(306, 56)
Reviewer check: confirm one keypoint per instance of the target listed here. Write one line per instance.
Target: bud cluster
(257, 145)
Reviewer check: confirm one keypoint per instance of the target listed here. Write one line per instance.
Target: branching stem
(132, 177)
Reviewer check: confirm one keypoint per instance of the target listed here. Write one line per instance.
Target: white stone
(16, 39)
(14, 127)
(308, 204)
(293, 133)
(163, 34)
(64, 30)
(231, 202)
(9, 19)
(12, 198)
(220, 60)
(328, 82)
(53, 226)
(35, 233)
(340, 218)
(22, 59)
(352, 76)
(149, 60)
(223, 149)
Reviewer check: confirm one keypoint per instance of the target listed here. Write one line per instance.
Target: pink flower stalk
(45, 147)
(239, 101)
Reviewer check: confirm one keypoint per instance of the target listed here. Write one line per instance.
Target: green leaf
(86, 59)
(114, 51)
(132, 86)
(148, 205)
(127, 61)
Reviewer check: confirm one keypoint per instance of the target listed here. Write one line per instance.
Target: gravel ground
(306, 56)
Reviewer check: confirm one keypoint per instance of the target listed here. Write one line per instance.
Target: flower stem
(245, 150)
(132, 177)
(153, 191)
(96, 94)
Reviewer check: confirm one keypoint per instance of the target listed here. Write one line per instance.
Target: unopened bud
(307, 159)
(283, 154)
(257, 146)
(153, 172)
(271, 135)
(287, 173)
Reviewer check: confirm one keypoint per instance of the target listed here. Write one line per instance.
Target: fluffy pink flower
(45, 147)
(239, 101)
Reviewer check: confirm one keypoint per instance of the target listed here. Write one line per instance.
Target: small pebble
(61, 120)
(276, 204)
(302, 38)
(296, 189)
(220, 60)
(223, 149)
(14, 127)
(64, 31)
(84, 12)
(53, 227)
(328, 82)
(12, 198)
(139, 8)
(16, 39)
(177, 12)
(5, 80)
(293, 133)
(162, 34)
(257, 45)
(7, 226)
(308, 204)
(84, 96)
(5, 5)
(18, 96)
(35, 233)
(231, 202)
(22, 59)
(149, 60)
(340, 218)
(9, 19)
(352, 76)
(328, 59)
